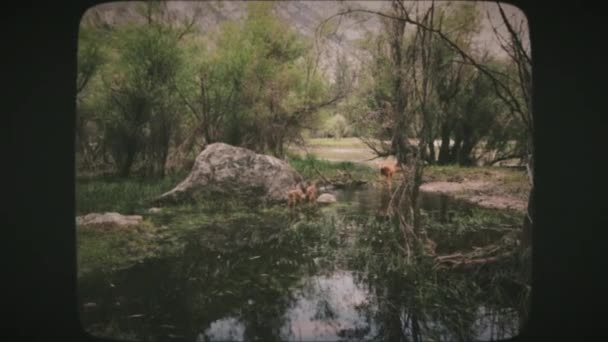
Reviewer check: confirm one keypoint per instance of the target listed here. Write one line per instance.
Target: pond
(283, 276)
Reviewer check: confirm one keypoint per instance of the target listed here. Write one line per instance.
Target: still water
(260, 280)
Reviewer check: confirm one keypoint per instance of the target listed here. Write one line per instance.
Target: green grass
(445, 172)
(330, 142)
(308, 165)
(161, 234)
(115, 248)
(123, 195)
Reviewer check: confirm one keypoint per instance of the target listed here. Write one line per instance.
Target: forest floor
(490, 187)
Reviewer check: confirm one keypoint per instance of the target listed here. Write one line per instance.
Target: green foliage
(309, 164)
(107, 251)
(91, 59)
(143, 112)
(132, 97)
(445, 97)
(124, 195)
(252, 84)
(255, 86)
(90, 56)
(338, 127)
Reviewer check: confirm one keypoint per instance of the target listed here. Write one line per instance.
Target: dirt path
(485, 186)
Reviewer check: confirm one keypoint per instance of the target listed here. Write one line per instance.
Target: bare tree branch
(188, 28)
(503, 91)
(514, 35)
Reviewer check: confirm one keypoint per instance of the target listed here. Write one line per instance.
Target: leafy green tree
(91, 59)
(258, 88)
(144, 112)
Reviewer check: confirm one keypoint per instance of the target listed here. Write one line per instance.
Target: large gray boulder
(224, 169)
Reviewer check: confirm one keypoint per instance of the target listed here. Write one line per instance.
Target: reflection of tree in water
(263, 321)
(250, 271)
(319, 301)
(324, 311)
(245, 269)
(416, 303)
(261, 278)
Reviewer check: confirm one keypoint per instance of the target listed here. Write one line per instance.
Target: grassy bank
(123, 195)
(308, 165)
(165, 232)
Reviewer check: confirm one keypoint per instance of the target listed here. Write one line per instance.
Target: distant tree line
(153, 93)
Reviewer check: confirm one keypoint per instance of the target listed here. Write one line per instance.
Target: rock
(108, 219)
(224, 169)
(326, 198)
(154, 210)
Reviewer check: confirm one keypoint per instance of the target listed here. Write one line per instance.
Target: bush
(338, 127)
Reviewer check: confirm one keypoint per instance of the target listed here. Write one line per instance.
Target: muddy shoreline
(474, 192)
(489, 187)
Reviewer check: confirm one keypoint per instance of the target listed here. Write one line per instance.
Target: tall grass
(124, 195)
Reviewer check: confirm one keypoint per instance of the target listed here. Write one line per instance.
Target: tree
(259, 88)
(515, 93)
(143, 110)
(90, 60)
(396, 108)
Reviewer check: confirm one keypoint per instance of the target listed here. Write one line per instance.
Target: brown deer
(295, 196)
(388, 170)
(311, 192)
(302, 193)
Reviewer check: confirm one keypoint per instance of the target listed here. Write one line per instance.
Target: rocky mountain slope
(304, 16)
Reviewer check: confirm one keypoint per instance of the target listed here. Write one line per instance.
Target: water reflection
(374, 199)
(260, 279)
(325, 309)
(226, 329)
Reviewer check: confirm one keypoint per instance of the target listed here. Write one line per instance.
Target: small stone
(326, 198)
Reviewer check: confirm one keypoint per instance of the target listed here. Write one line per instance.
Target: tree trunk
(464, 156)
(444, 150)
(405, 206)
(526, 238)
(415, 328)
(125, 169)
(392, 319)
(455, 151)
(431, 156)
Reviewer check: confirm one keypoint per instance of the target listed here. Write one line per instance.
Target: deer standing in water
(388, 170)
(302, 193)
(295, 196)
(311, 192)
